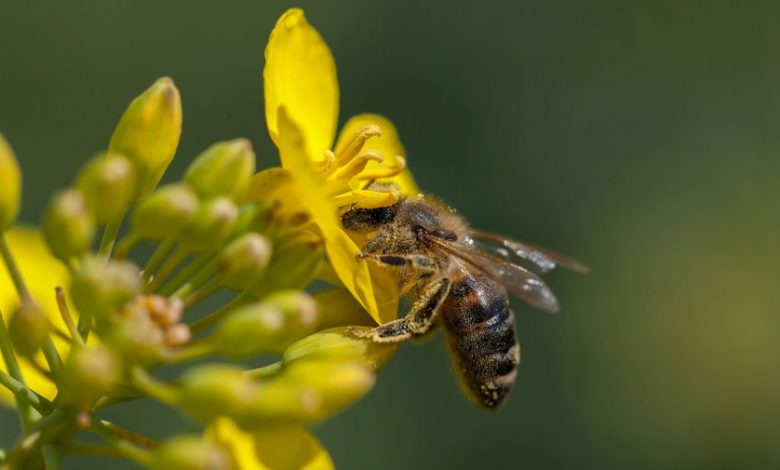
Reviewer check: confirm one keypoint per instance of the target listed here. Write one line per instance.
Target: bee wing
(521, 282)
(544, 258)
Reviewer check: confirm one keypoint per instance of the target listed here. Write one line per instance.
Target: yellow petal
(43, 273)
(275, 448)
(388, 144)
(300, 75)
(341, 250)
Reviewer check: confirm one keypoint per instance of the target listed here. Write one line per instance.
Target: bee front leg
(416, 323)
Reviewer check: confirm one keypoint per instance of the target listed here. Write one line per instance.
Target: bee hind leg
(416, 323)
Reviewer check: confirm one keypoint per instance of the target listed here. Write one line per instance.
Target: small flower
(280, 447)
(301, 107)
(44, 271)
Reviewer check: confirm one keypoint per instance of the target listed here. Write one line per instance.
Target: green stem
(188, 272)
(201, 294)
(91, 448)
(49, 351)
(125, 448)
(171, 264)
(27, 415)
(13, 270)
(158, 256)
(214, 317)
(51, 457)
(22, 393)
(62, 305)
(151, 387)
(109, 235)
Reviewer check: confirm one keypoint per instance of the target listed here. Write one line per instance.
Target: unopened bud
(29, 328)
(224, 169)
(165, 212)
(190, 453)
(337, 383)
(267, 327)
(212, 223)
(89, 373)
(340, 344)
(148, 133)
(281, 402)
(108, 185)
(214, 390)
(10, 185)
(102, 286)
(68, 225)
(243, 259)
(294, 264)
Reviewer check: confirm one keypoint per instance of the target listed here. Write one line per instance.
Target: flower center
(349, 172)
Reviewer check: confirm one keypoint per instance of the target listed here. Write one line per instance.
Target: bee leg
(416, 323)
(422, 263)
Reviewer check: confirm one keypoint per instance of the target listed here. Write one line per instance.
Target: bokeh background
(642, 137)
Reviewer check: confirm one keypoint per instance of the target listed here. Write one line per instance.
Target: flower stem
(66, 316)
(27, 415)
(168, 268)
(109, 235)
(187, 273)
(13, 270)
(91, 448)
(125, 448)
(51, 457)
(201, 293)
(214, 317)
(158, 256)
(49, 351)
(197, 280)
(22, 393)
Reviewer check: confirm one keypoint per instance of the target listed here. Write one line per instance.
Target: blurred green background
(642, 137)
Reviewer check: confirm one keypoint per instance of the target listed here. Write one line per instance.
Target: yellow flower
(301, 108)
(277, 448)
(43, 272)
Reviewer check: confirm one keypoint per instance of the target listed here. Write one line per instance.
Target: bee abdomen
(482, 339)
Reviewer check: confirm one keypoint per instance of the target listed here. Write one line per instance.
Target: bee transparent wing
(521, 282)
(543, 258)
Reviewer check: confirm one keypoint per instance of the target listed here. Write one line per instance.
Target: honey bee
(459, 278)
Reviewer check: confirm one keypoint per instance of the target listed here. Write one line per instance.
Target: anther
(354, 145)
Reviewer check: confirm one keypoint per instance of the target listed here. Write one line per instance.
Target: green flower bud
(267, 327)
(102, 287)
(167, 211)
(281, 402)
(212, 390)
(68, 225)
(243, 259)
(190, 453)
(294, 264)
(340, 344)
(308, 391)
(224, 169)
(29, 328)
(148, 133)
(212, 224)
(337, 383)
(88, 374)
(108, 185)
(10, 185)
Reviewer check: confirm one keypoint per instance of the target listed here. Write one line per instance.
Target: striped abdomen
(481, 333)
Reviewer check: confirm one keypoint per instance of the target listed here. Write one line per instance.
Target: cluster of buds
(121, 314)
